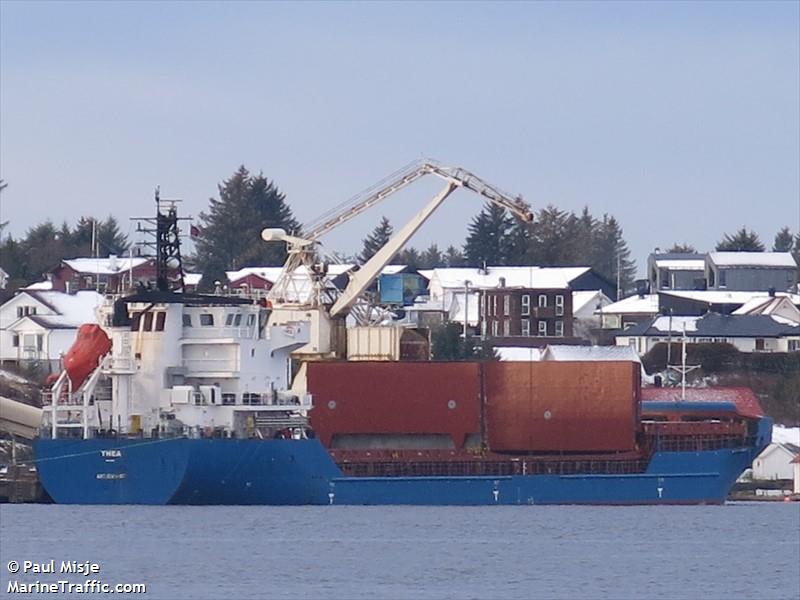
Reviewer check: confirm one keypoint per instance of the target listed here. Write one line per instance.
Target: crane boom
(402, 178)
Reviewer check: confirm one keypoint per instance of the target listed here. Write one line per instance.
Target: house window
(187, 320)
(24, 311)
(759, 342)
(794, 345)
(494, 328)
(559, 328)
(160, 318)
(525, 327)
(15, 340)
(526, 304)
(507, 327)
(148, 321)
(39, 341)
(543, 328)
(206, 320)
(494, 305)
(559, 305)
(723, 279)
(542, 301)
(506, 305)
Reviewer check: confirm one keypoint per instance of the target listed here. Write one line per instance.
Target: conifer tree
(376, 240)
(488, 240)
(613, 256)
(741, 241)
(453, 257)
(784, 240)
(431, 258)
(678, 248)
(231, 229)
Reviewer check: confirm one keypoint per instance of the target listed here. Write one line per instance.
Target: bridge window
(148, 322)
(206, 320)
(187, 320)
(161, 317)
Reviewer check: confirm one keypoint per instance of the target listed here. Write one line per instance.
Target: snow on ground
(786, 435)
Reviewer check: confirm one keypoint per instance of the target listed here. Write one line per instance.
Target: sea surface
(740, 550)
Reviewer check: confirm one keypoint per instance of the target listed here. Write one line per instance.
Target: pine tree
(613, 256)
(741, 241)
(231, 229)
(409, 257)
(453, 257)
(110, 239)
(376, 240)
(682, 249)
(784, 240)
(488, 240)
(431, 258)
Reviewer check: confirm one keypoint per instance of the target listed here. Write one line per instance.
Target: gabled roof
(724, 296)
(769, 305)
(633, 305)
(714, 325)
(272, 274)
(71, 310)
(752, 259)
(590, 353)
(514, 277)
(582, 298)
(113, 265)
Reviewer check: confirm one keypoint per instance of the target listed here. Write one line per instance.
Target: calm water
(732, 551)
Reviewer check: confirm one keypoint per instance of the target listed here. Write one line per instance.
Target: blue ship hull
(231, 471)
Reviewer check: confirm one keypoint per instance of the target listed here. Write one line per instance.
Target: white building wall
(774, 463)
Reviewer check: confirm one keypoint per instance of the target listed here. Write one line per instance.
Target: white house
(3, 278)
(775, 462)
(748, 333)
(41, 325)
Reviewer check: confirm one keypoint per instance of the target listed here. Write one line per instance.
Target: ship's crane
(301, 248)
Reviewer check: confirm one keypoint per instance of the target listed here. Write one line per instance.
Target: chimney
(771, 292)
(502, 282)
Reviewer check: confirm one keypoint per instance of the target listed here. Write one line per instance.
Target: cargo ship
(183, 398)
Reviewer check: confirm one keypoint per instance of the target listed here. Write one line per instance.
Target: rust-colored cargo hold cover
(395, 398)
(561, 406)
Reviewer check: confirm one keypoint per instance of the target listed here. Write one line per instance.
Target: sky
(680, 119)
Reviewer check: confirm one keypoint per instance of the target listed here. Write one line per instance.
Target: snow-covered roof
(72, 310)
(515, 277)
(516, 353)
(681, 264)
(725, 296)
(113, 265)
(769, 305)
(39, 285)
(675, 324)
(590, 353)
(582, 298)
(192, 278)
(786, 435)
(752, 259)
(633, 305)
(393, 269)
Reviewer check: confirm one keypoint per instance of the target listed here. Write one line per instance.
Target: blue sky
(681, 119)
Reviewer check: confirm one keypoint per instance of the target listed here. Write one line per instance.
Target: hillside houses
(39, 326)
(748, 333)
